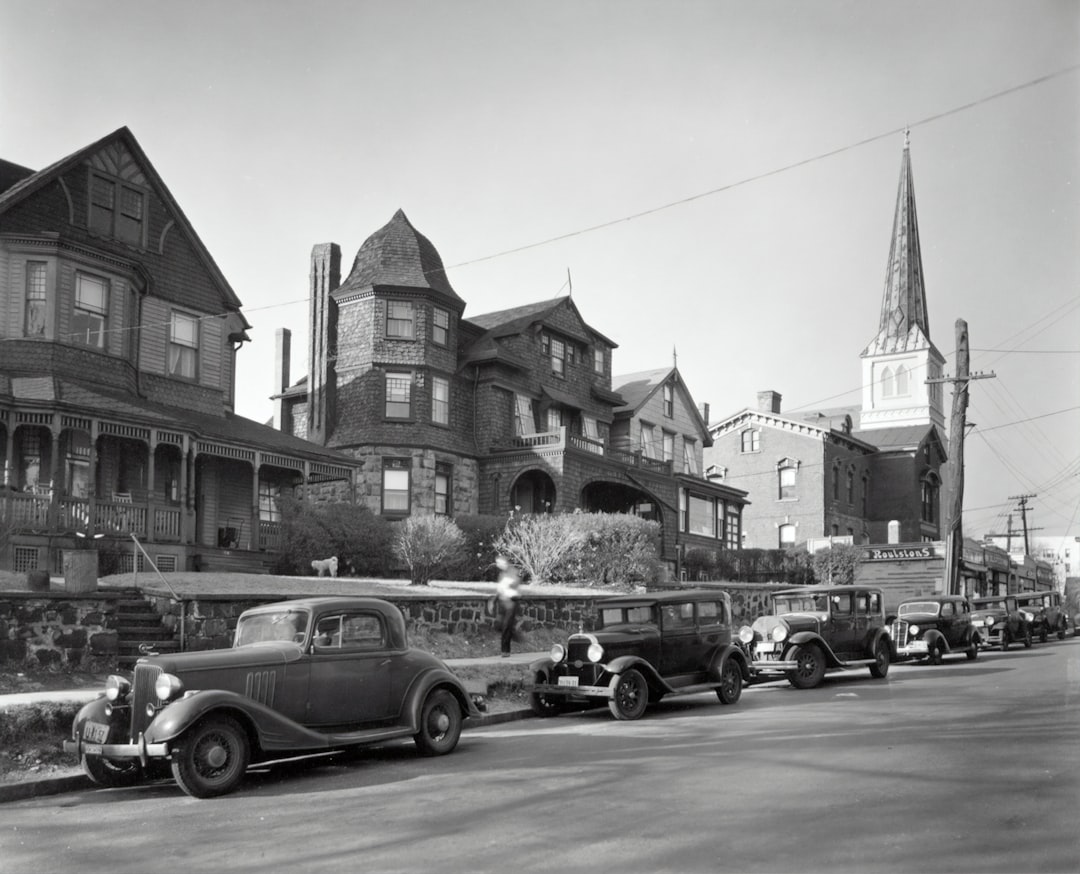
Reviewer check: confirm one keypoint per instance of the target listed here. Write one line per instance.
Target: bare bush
(426, 544)
(537, 545)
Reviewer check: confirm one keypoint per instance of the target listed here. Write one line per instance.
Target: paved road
(962, 767)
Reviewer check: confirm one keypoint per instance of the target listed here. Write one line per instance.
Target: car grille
(142, 693)
(900, 632)
(578, 664)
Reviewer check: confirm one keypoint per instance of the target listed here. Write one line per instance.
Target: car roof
(328, 603)
(669, 597)
(825, 590)
(938, 598)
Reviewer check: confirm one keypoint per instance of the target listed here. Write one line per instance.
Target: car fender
(542, 666)
(94, 711)
(271, 729)
(933, 637)
(423, 684)
(801, 638)
(731, 651)
(878, 635)
(622, 664)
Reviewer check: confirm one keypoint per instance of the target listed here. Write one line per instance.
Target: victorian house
(866, 474)
(117, 389)
(507, 412)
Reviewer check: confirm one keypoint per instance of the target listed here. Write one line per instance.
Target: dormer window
(117, 209)
(598, 360)
(555, 348)
(399, 320)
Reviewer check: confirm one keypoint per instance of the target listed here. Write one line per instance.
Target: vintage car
(1048, 612)
(302, 676)
(814, 629)
(1001, 621)
(931, 628)
(644, 647)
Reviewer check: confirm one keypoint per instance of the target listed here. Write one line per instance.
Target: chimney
(282, 364)
(703, 408)
(769, 401)
(322, 343)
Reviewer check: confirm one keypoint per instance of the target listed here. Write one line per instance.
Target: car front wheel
(972, 652)
(937, 655)
(544, 705)
(1061, 631)
(880, 667)
(1027, 638)
(211, 758)
(730, 689)
(110, 773)
(631, 695)
(440, 724)
(809, 667)
(1006, 639)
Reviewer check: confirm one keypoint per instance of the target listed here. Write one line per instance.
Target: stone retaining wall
(58, 631)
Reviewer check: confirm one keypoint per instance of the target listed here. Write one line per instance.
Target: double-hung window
(117, 209)
(690, 464)
(598, 360)
(36, 299)
(184, 346)
(443, 481)
(669, 446)
(399, 320)
(440, 326)
(91, 311)
(398, 395)
(669, 400)
(440, 400)
(750, 440)
(524, 422)
(558, 357)
(395, 486)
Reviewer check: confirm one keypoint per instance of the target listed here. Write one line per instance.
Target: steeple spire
(904, 322)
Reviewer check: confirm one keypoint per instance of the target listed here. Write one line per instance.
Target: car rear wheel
(730, 689)
(544, 705)
(937, 655)
(440, 724)
(110, 773)
(1061, 631)
(1027, 638)
(211, 758)
(880, 667)
(972, 652)
(1043, 634)
(631, 695)
(1006, 639)
(809, 667)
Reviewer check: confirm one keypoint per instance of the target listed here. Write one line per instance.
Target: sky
(715, 180)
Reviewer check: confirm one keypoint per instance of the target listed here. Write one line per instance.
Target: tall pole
(954, 537)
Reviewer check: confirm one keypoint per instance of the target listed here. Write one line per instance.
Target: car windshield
(931, 607)
(278, 625)
(642, 615)
(801, 603)
(998, 604)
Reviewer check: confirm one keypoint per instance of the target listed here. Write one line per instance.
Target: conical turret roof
(398, 255)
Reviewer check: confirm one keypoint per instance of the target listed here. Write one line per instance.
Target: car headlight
(167, 686)
(746, 634)
(557, 652)
(595, 652)
(913, 630)
(779, 633)
(117, 688)
(1028, 617)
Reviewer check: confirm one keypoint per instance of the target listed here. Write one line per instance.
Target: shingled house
(507, 412)
(117, 384)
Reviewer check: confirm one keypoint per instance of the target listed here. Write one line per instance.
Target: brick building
(119, 336)
(869, 473)
(510, 411)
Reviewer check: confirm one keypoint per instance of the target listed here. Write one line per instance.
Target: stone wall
(58, 631)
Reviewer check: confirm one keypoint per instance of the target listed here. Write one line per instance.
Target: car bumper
(140, 750)
(913, 650)
(772, 666)
(573, 691)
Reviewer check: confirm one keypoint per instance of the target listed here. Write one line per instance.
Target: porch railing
(562, 438)
(269, 535)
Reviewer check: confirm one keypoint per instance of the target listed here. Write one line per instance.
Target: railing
(119, 517)
(269, 535)
(166, 524)
(561, 438)
(29, 510)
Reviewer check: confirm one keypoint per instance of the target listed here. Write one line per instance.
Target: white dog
(325, 565)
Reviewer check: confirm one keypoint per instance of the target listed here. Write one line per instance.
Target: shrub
(476, 558)
(360, 539)
(538, 544)
(836, 565)
(614, 548)
(426, 544)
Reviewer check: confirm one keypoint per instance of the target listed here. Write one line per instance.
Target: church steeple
(901, 357)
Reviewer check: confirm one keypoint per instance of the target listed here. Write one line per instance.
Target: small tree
(426, 544)
(837, 565)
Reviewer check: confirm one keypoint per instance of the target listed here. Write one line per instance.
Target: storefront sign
(893, 553)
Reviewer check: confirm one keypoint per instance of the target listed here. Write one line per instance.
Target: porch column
(91, 510)
(185, 494)
(9, 454)
(255, 533)
(54, 469)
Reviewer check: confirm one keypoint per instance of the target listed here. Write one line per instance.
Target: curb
(79, 782)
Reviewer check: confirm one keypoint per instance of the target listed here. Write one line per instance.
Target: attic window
(598, 360)
(669, 400)
(117, 209)
(556, 349)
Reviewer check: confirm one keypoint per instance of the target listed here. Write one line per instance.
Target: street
(959, 767)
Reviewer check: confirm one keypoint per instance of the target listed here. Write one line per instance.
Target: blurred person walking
(508, 592)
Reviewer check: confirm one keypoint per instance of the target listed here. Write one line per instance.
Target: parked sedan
(931, 628)
(302, 676)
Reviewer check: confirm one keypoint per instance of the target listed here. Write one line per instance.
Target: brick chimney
(703, 408)
(282, 365)
(322, 345)
(769, 401)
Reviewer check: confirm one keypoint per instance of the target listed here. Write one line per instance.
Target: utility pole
(954, 538)
(1023, 499)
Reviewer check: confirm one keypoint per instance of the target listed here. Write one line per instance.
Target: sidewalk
(74, 779)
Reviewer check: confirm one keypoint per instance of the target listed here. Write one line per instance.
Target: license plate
(770, 647)
(95, 732)
(92, 749)
(567, 681)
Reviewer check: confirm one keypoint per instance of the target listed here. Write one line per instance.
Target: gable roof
(10, 173)
(902, 438)
(638, 388)
(34, 182)
(516, 320)
(398, 255)
(778, 420)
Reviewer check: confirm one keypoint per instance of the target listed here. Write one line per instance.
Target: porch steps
(138, 624)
